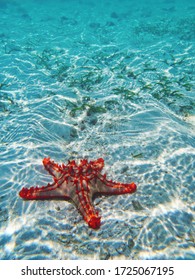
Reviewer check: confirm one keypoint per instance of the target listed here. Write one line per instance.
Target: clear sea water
(88, 79)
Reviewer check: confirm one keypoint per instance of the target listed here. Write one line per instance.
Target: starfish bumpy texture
(78, 182)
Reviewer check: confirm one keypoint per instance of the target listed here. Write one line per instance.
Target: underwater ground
(88, 79)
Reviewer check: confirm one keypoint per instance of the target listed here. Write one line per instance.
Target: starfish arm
(53, 168)
(104, 186)
(97, 164)
(56, 190)
(83, 201)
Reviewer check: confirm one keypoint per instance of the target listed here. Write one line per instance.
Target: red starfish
(79, 183)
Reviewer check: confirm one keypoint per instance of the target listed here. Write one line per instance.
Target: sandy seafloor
(89, 79)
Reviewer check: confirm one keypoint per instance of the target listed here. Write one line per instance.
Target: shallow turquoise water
(113, 79)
